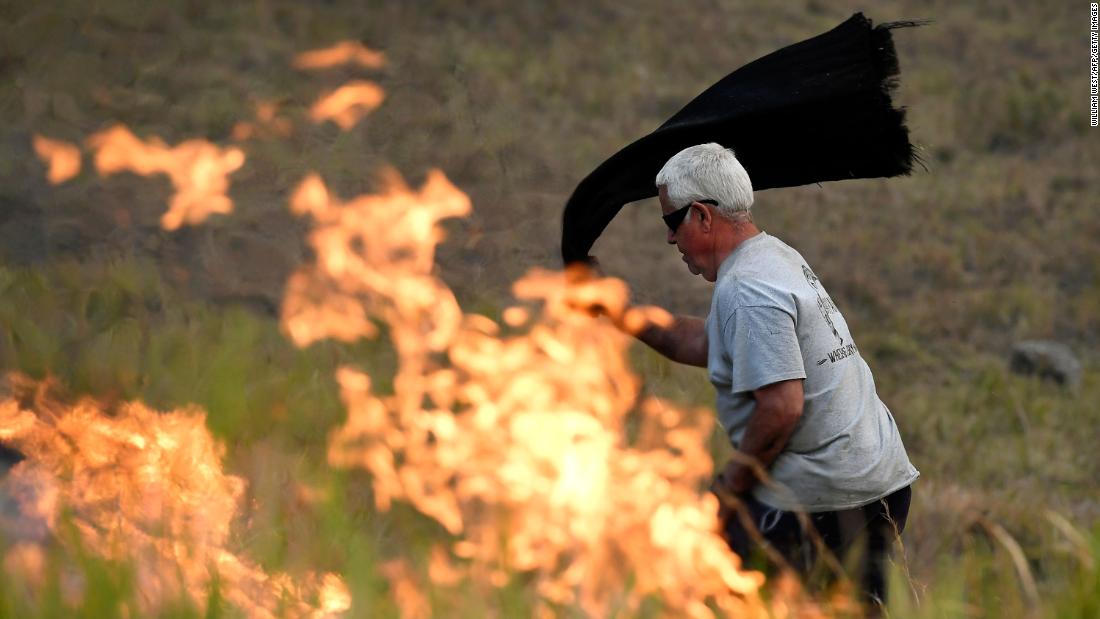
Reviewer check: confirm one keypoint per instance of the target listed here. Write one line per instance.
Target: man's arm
(684, 340)
(680, 338)
(778, 409)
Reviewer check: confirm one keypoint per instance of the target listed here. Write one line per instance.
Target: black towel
(818, 110)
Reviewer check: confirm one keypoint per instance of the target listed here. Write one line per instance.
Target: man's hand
(599, 295)
(736, 478)
(680, 338)
(729, 485)
(592, 292)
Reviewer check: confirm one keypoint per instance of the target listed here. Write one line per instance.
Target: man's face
(689, 236)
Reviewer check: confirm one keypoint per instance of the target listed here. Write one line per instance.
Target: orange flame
(62, 158)
(344, 52)
(348, 104)
(375, 257)
(148, 487)
(198, 170)
(514, 444)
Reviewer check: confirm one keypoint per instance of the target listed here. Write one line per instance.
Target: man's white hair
(708, 172)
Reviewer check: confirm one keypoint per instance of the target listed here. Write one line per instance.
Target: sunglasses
(675, 218)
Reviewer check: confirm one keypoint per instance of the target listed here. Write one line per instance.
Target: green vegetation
(938, 274)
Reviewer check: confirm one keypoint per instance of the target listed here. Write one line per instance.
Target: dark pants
(858, 540)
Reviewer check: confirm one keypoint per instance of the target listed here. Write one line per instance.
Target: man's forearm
(683, 341)
(778, 409)
(763, 441)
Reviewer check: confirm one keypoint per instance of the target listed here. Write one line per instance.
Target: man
(794, 394)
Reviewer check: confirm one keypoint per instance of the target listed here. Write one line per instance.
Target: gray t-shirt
(772, 320)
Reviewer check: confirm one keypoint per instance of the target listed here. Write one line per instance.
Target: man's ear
(705, 216)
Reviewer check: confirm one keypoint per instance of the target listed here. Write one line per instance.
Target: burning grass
(516, 442)
(198, 169)
(514, 439)
(62, 158)
(143, 488)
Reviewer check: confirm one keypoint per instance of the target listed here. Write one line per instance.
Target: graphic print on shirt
(826, 306)
(824, 302)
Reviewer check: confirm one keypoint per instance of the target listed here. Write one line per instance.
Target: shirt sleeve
(763, 347)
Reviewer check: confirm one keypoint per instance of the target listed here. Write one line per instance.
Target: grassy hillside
(938, 273)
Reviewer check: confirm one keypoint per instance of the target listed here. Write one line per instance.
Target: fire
(344, 52)
(198, 170)
(141, 486)
(348, 104)
(62, 158)
(529, 442)
(375, 256)
(514, 442)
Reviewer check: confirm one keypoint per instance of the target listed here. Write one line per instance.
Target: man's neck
(743, 231)
(736, 233)
(732, 235)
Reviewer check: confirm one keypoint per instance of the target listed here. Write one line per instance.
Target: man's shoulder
(761, 256)
(761, 285)
(755, 288)
(771, 266)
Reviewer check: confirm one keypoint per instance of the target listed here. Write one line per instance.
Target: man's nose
(671, 237)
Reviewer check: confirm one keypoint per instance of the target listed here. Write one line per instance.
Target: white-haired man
(794, 394)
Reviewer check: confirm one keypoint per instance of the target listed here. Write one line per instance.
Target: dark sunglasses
(675, 218)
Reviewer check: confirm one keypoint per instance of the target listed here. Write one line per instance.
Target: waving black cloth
(814, 111)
